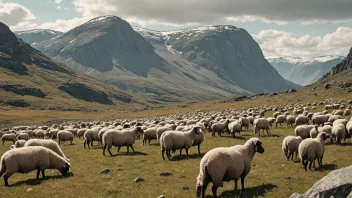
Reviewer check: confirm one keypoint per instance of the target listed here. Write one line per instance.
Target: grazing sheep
(245, 122)
(18, 144)
(339, 112)
(339, 132)
(303, 131)
(118, 138)
(280, 119)
(63, 136)
(81, 132)
(290, 120)
(27, 159)
(226, 164)
(39, 134)
(50, 144)
(301, 119)
(160, 131)
(347, 112)
(275, 114)
(332, 118)
(198, 141)
(271, 120)
(219, 127)
(340, 121)
(312, 149)
(23, 136)
(290, 146)
(314, 131)
(174, 140)
(101, 133)
(261, 124)
(91, 135)
(8, 137)
(149, 134)
(235, 127)
(319, 119)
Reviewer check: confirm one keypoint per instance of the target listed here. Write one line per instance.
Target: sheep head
(258, 146)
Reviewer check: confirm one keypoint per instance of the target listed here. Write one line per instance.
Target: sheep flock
(313, 126)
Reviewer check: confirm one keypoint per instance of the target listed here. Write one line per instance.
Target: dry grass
(268, 177)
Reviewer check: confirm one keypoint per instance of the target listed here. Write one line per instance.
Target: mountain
(304, 71)
(37, 35)
(344, 66)
(194, 64)
(28, 78)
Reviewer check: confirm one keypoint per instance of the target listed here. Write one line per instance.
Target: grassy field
(271, 175)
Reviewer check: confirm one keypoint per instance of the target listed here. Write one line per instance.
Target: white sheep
(149, 134)
(312, 149)
(226, 164)
(261, 124)
(174, 140)
(91, 135)
(303, 131)
(347, 112)
(219, 127)
(339, 132)
(27, 159)
(9, 137)
(18, 144)
(23, 136)
(245, 122)
(39, 134)
(50, 144)
(118, 138)
(271, 120)
(235, 127)
(160, 131)
(280, 119)
(349, 127)
(301, 119)
(290, 146)
(81, 132)
(290, 120)
(332, 118)
(63, 136)
(319, 119)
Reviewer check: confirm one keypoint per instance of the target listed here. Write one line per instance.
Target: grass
(271, 175)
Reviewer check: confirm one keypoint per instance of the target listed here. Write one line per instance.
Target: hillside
(304, 71)
(342, 67)
(30, 79)
(163, 68)
(37, 35)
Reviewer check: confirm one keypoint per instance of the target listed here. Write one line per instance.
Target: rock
(327, 86)
(165, 174)
(184, 188)
(345, 85)
(337, 183)
(138, 179)
(161, 196)
(274, 94)
(21, 90)
(315, 94)
(104, 171)
(287, 178)
(18, 103)
(29, 189)
(292, 91)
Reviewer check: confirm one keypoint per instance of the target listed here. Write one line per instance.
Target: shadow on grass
(327, 167)
(127, 154)
(33, 182)
(178, 157)
(237, 137)
(257, 191)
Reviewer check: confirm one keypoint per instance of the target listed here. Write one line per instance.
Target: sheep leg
(104, 148)
(236, 184)
(310, 165)
(242, 182)
(187, 152)
(148, 142)
(132, 149)
(214, 189)
(292, 156)
(38, 173)
(198, 149)
(71, 142)
(6, 178)
(181, 151)
(128, 149)
(168, 154)
(204, 187)
(118, 149)
(109, 152)
(162, 154)
(43, 173)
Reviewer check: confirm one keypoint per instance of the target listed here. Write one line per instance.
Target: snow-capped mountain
(37, 35)
(304, 71)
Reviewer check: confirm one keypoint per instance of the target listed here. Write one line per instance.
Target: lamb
(339, 132)
(261, 123)
(219, 127)
(23, 136)
(118, 138)
(63, 136)
(312, 149)
(50, 144)
(8, 137)
(149, 134)
(303, 131)
(290, 146)
(290, 120)
(280, 119)
(225, 164)
(27, 159)
(174, 140)
(301, 119)
(235, 127)
(18, 144)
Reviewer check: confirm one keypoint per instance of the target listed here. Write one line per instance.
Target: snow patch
(72, 40)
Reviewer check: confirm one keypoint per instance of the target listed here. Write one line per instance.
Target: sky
(302, 28)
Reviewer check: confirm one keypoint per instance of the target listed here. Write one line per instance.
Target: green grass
(267, 177)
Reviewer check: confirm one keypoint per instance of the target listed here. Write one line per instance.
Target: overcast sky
(302, 28)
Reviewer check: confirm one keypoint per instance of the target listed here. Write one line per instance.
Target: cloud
(58, 2)
(14, 14)
(281, 43)
(210, 11)
(63, 25)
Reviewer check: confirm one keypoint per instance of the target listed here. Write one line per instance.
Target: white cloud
(281, 43)
(63, 25)
(210, 11)
(58, 2)
(58, 7)
(14, 14)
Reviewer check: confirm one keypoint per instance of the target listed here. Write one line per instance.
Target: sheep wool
(50, 144)
(290, 146)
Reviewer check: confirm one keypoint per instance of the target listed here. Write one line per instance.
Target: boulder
(337, 183)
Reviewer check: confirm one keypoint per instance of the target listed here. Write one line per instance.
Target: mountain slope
(37, 35)
(29, 78)
(344, 66)
(304, 71)
(164, 66)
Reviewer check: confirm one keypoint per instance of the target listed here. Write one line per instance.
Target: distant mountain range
(304, 71)
(28, 78)
(176, 66)
(36, 36)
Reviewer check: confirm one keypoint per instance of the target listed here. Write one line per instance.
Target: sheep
(334, 117)
(198, 141)
(118, 138)
(91, 135)
(225, 164)
(347, 112)
(303, 131)
(160, 131)
(39, 134)
(50, 144)
(245, 122)
(27, 159)
(349, 127)
(301, 119)
(54, 133)
(174, 140)
(219, 127)
(23, 136)
(8, 137)
(235, 127)
(251, 119)
(73, 131)
(101, 133)
(149, 134)
(280, 119)
(275, 114)
(314, 132)
(311, 149)
(261, 123)
(340, 121)
(339, 112)
(290, 120)
(339, 132)
(290, 146)
(271, 120)
(18, 144)
(81, 132)
(319, 119)
(63, 136)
